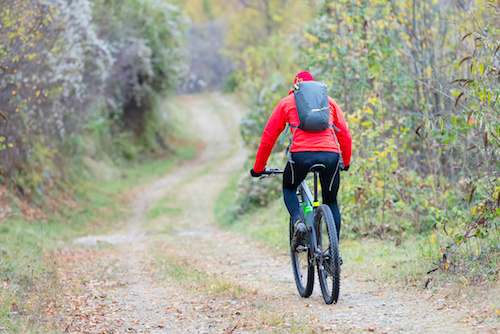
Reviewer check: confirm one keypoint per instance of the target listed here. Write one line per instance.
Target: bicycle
(321, 244)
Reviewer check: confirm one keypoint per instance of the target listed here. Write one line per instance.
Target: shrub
(66, 66)
(53, 63)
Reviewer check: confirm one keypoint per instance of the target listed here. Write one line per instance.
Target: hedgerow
(67, 66)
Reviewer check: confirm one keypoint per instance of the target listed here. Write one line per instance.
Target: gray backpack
(311, 100)
(313, 108)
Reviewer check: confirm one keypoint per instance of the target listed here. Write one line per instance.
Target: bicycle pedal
(301, 249)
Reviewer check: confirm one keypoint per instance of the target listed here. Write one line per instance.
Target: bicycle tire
(301, 262)
(328, 261)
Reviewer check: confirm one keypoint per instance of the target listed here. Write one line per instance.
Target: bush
(53, 64)
(69, 64)
(425, 147)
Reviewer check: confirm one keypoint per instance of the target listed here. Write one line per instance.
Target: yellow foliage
(311, 38)
(428, 71)
(206, 10)
(257, 40)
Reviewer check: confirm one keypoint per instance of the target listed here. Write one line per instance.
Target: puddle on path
(112, 239)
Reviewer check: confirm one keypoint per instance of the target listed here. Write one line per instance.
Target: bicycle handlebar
(272, 171)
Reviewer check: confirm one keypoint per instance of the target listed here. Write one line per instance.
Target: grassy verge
(185, 273)
(28, 277)
(267, 225)
(387, 260)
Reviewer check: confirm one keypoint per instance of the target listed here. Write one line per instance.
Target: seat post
(315, 186)
(316, 169)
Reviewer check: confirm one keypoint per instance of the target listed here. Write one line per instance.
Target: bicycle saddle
(317, 168)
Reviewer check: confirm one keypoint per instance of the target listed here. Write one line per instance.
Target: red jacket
(286, 112)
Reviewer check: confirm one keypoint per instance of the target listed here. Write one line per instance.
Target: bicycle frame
(306, 194)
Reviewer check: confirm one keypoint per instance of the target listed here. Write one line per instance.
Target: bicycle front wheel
(328, 261)
(303, 269)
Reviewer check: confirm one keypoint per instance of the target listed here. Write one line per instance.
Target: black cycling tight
(295, 173)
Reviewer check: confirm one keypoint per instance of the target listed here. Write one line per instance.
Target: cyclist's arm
(275, 125)
(344, 136)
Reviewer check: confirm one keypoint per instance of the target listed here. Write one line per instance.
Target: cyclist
(307, 149)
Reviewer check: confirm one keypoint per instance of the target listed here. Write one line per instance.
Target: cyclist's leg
(294, 174)
(330, 186)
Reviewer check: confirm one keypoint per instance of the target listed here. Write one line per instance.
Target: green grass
(181, 271)
(385, 261)
(133, 174)
(106, 196)
(267, 225)
(184, 272)
(25, 273)
(163, 209)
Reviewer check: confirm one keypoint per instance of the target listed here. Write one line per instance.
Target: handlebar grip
(272, 171)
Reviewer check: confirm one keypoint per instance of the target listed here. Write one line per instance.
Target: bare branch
(4, 117)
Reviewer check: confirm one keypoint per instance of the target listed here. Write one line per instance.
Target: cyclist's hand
(255, 174)
(344, 168)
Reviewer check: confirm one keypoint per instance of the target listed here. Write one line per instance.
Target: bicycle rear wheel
(328, 261)
(303, 270)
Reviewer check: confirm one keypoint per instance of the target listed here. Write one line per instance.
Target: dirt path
(181, 273)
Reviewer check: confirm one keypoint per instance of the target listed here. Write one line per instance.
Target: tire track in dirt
(183, 274)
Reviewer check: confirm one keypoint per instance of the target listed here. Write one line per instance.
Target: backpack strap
(338, 145)
(341, 161)
(284, 134)
(288, 154)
